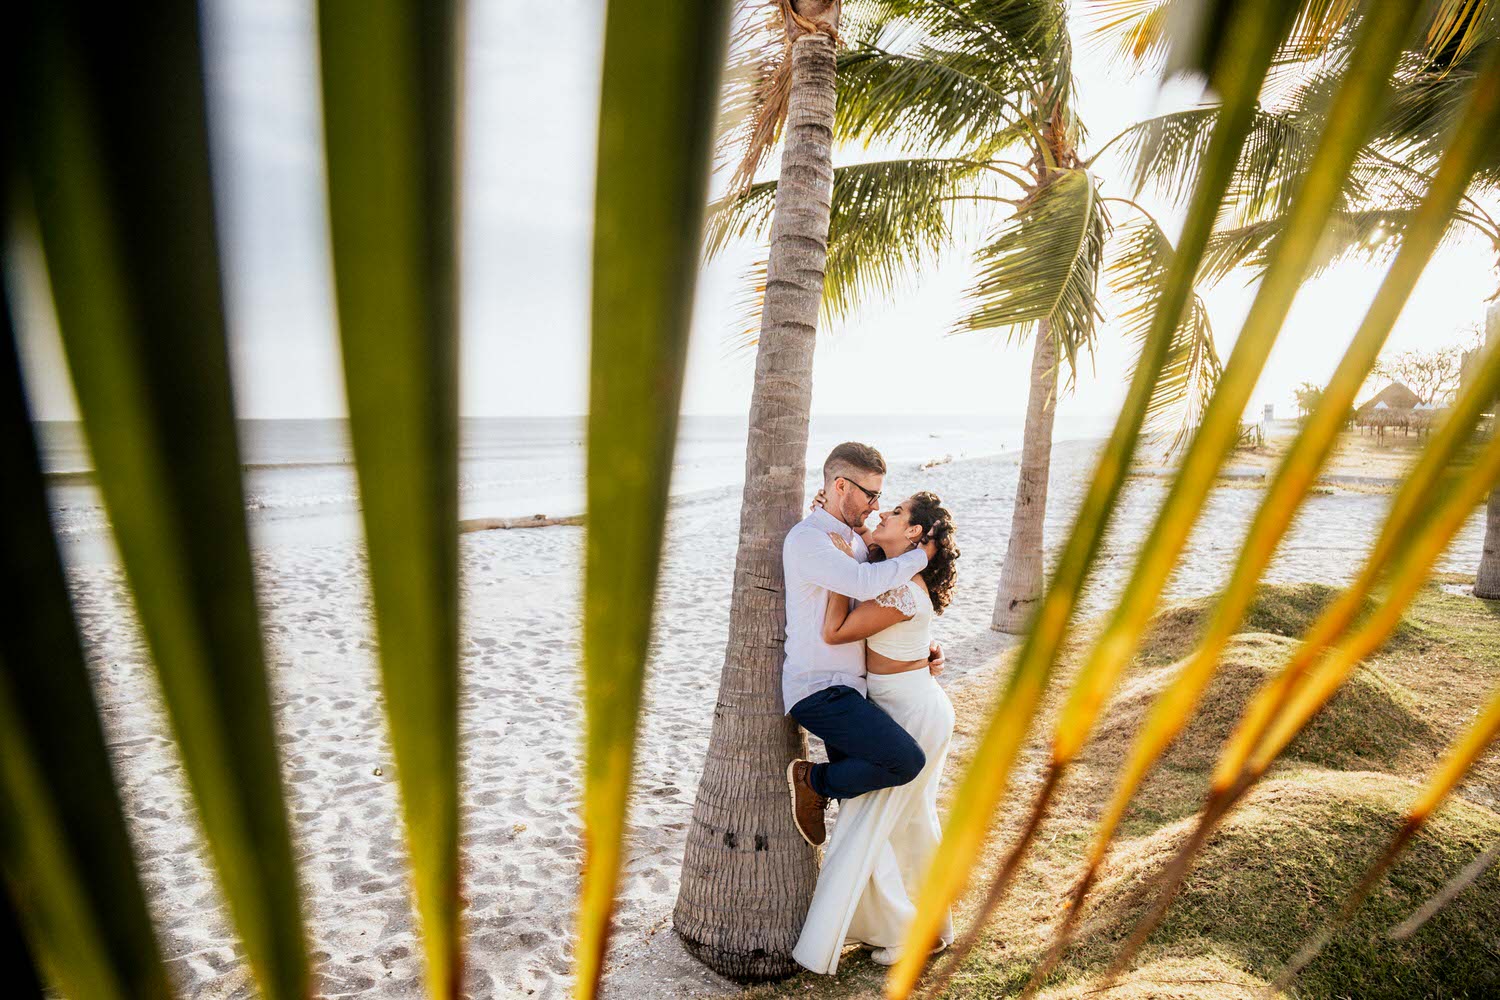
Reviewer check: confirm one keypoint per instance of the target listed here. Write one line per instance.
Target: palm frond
(887, 218)
(1219, 430)
(1136, 30)
(1319, 24)
(1456, 29)
(1043, 263)
(987, 780)
(754, 91)
(929, 99)
(1160, 151)
(389, 99)
(890, 217)
(1426, 109)
(1140, 262)
(1017, 48)
(1372, 235)
(1328, 655)
(1309, 452)
(116, 157)
(656, 114)
(65, 854)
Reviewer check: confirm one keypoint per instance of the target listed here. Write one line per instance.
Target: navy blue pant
(866, 749)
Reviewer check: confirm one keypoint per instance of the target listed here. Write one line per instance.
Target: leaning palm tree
(992, 83)
(742, 843)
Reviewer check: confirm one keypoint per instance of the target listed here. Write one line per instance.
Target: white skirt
(882, 841)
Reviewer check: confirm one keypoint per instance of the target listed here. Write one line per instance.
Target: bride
(884, 840)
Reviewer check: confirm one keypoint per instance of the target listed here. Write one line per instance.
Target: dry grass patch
(1287, 857)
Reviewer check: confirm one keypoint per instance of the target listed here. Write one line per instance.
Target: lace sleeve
(900, 598)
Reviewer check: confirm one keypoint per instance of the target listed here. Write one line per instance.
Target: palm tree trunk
(1487, 582)
(1022, 576)
(747, 875)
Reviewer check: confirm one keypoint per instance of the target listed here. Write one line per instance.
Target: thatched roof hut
(1394, 397)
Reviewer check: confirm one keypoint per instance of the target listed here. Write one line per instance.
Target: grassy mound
(1371, 724)
(1286, 859)
(1285, 610)
(1281, 866)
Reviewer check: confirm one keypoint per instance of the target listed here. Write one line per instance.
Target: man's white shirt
(813, 567)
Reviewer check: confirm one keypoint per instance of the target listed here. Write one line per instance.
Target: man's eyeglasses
(874, 497)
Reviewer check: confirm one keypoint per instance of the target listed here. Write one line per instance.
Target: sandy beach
(522, 725)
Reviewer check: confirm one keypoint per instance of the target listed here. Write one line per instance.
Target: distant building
(1270, 412)
(1394, 406)
(1395, 397)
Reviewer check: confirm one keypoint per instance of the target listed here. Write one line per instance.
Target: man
(823, 686)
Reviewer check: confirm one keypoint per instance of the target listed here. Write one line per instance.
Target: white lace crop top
(910, 639)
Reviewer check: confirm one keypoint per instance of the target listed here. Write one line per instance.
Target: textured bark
(1022, 576)
(747, 876)
(1487, 582)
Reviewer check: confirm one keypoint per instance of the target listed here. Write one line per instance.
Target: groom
(823, 686)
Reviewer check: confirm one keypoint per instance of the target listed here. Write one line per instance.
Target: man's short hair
(852, 457)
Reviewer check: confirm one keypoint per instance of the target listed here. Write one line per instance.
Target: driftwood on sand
(534, 521)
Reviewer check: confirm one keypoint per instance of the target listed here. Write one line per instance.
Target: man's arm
(825, 566)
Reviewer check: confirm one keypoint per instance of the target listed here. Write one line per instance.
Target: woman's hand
(819, 500)
(842, 544)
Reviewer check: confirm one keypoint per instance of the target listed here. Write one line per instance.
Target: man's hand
(929, 546)
(935, 661)
(818, 501)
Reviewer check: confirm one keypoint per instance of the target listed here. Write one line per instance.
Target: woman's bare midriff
(877, 664)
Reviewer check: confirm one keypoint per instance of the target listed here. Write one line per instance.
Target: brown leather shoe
(807, 805)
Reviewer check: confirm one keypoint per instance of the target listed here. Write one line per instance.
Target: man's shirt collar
(825, 520)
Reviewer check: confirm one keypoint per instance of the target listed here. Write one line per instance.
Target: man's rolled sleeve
(825, 566)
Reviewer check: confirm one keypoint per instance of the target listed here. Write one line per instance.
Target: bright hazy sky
(530, 133)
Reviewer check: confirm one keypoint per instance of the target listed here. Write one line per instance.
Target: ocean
(300, 483)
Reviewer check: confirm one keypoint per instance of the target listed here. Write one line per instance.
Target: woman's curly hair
(926, 510)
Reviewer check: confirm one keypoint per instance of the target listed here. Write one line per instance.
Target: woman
(884, 840)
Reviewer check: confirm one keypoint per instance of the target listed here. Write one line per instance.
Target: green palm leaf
(1141, 262)
(888, 218)
(1160, 151)
(660, 78)
(1134, 30)
(928, 99)
(389, 99)
(1043, 263)
(118, 164)
(64, 852)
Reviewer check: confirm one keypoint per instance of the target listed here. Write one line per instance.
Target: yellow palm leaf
(1354, 109)
(987, 780)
